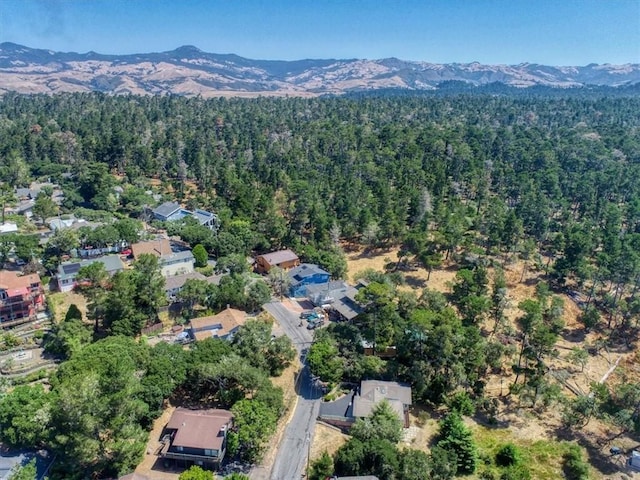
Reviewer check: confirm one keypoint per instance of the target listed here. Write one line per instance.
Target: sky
(551, 32)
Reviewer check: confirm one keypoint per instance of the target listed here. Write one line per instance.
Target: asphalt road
(291, 459)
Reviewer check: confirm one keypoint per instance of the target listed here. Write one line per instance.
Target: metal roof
(166, 209)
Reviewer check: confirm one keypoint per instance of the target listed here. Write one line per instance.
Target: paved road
(291, 459)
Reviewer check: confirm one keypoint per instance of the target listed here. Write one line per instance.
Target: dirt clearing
(326, 438)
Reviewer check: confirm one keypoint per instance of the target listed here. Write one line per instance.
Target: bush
(573, 465)
(207, 271)
(508, 455)
(461, 402)
(516, 472)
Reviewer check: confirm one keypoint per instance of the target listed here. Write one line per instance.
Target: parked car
(314, 322)
(307, 314)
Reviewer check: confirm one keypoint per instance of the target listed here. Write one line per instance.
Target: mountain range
(190, 71)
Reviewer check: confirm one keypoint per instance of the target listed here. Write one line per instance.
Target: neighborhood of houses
(193, 436)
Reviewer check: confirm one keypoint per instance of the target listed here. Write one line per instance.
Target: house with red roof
(21, 298)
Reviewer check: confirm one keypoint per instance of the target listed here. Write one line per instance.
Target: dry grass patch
(287, 382)
(326, 438)
(417, 278)
(60, 302)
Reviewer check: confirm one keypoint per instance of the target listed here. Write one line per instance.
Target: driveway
(293, 451)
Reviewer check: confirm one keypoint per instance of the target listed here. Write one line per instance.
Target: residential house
(178, 263)
(158, 247)
(339, 296)
(284, 259)
(24, 208)
(70, 221)
(198, 436)
(174, 284)
(305, 275)
(27, 196)
(21, 297)
(171, 262)
(68, 271)
(172, 211)
(223, 325)
(344, 411)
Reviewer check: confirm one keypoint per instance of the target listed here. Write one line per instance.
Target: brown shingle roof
(158, 248)
(281, 256)
(199, 428)
(219, 325)
(11, 280)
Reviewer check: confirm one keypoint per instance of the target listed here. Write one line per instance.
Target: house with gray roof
(174, 283)
(177, 263)
(360, 403)
(68, 271)
(339, 295)
(304, 275)
(173, 211)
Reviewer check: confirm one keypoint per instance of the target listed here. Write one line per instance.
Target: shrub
(573, 465)
(508, 455)
(516, 472)
(461, 402)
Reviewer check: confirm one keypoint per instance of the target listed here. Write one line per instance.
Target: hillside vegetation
(511, 226)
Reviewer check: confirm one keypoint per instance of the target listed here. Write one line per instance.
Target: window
(210, 453)
(178, 448)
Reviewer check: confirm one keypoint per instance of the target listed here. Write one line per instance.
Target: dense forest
(465, 179)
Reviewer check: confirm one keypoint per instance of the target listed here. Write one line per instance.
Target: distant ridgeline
(458, 87)
(189, 71)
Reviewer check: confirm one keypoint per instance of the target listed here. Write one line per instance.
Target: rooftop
(275, 258)
(199, 428)
(219, 325)
(305, 270)
(8, 227)
(166, 209)
(13, 281)
(176, 256)
(374, 391)
(112, 264)
(203, 216)
(177, 281)
(159, 248)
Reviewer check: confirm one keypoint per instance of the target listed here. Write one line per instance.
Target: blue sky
(553, 32)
